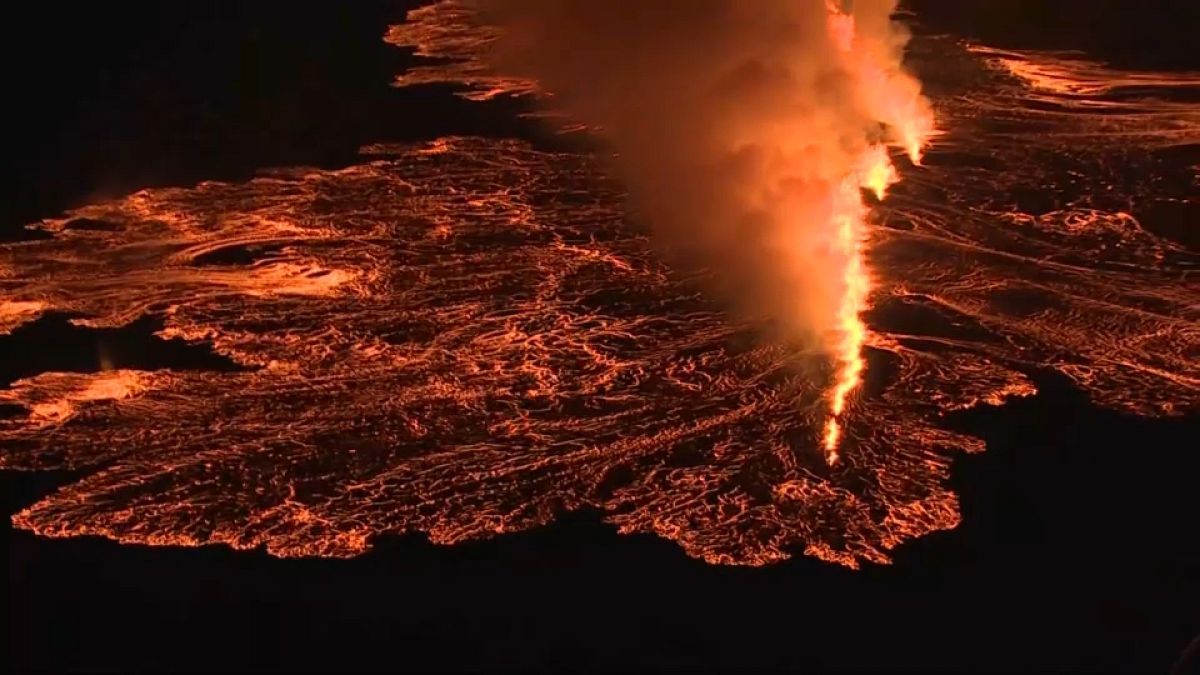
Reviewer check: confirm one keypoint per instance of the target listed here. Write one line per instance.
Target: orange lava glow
(472, 336)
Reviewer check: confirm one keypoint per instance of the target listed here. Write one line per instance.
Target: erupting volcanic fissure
(897, 102)
(744, 132)
(472, 336)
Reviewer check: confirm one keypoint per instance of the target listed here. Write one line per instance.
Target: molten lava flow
(893, 97)
(468, 337)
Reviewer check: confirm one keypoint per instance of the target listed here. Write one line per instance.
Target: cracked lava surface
(466, 337)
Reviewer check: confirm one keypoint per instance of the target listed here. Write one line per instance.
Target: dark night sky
(1078, 548)
(1125, 33)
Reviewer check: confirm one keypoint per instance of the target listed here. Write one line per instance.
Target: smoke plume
(744, 130)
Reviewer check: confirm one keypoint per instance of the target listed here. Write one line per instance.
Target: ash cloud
(733, 123)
